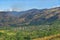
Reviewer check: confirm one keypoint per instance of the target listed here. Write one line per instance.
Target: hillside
(30, 17)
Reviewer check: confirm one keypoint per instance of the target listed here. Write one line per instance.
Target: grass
(51, 32)
(2, 31)
(52, 37)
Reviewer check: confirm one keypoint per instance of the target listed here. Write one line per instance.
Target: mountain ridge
(30, 17)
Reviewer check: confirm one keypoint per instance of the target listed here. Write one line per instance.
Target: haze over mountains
(30, 17)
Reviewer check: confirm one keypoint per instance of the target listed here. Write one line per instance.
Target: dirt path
(49, 37)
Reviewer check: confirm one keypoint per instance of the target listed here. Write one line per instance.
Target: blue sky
(28, 4)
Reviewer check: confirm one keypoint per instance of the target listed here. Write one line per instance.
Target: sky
(28, 4)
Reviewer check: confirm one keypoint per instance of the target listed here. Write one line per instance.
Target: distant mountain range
(30, 17)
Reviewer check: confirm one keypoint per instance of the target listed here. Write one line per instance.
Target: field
(40, 32)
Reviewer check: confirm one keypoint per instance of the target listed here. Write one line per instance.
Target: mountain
(30, 17)
(41, 16)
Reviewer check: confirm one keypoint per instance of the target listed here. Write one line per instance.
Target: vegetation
(28, 32)
(30, 24)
